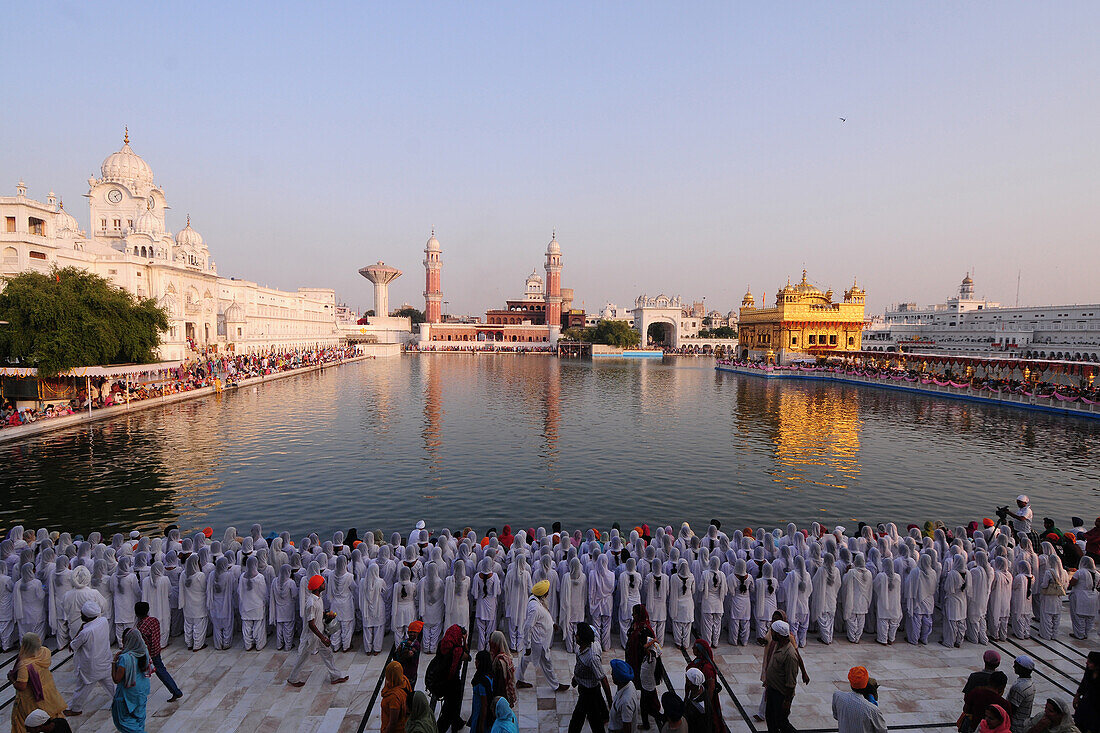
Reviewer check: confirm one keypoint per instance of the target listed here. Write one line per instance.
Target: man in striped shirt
(853, 711)
(149, 627)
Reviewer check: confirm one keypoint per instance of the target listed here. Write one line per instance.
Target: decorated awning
(116, 370)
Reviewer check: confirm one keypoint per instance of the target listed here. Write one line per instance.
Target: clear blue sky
(683, 148)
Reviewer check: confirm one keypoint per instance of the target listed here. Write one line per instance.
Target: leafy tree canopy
(73, 318)
(722, 332)
(612, 333)
(415, 314)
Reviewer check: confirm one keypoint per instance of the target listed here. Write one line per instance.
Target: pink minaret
(553, 286)
(433, 288)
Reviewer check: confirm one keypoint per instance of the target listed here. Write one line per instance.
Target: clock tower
(124, 193)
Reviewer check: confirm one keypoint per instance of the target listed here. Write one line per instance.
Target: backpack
(435, 676)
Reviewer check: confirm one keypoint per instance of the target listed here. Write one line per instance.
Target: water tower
(381, 275)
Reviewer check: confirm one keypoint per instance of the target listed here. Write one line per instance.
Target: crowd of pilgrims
(985, 584)
(210, 370)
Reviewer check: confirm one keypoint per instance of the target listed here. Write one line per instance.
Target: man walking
(149, 626)
(92, 652)
(313, 639)
(780, 679)
(538, 633)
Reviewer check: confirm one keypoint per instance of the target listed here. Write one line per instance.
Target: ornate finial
(188, 220)
(126, 137)
(554, 233)
(803, 274)
(433, 231)
(61, 204)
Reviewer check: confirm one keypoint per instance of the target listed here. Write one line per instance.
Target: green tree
(73, 318)
(415, 314)
(611, 333)
(723, 332)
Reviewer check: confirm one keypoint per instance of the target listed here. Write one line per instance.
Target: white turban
(695, 676)
(90, 609)
(81, 576)
(781, 628)
(36, 718)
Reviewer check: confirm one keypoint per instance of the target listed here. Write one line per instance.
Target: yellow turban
(541, 588)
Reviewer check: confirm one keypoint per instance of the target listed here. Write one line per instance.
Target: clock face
(152, 203)
(114, 195)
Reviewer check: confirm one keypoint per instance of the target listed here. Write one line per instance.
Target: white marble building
(973, 326)
(129, 243)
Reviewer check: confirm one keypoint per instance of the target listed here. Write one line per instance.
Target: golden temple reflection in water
(815, 428)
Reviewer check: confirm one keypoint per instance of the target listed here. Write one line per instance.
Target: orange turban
(208, 532)
(416, 627)
(858, 678)
(316, 582)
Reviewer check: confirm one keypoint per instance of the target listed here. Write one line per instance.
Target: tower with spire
(553, 287)
(433, 286)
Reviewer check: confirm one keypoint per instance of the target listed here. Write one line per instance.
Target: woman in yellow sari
(33, 683)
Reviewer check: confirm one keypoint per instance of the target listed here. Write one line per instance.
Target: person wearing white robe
(60, 584)
(1051, 591)
(8, 631)
(252, 603)
(712, 600)
(1084, 598)
(739, 588)
(955, 582)
(921, 599)
(101, 582)
(430, 596)
(156, 591)
(655, 596)
(826, 589)
(572, 602)
(517, 588)
(220, 591)
(856, 590)
(282, 607)
(172, 571)
(192, 601)
(487, 590)
(977, 599)
(765, 601)
(92, 653)
(29, 603)
(544, 570)
(404, 603)
(681, 604)
(798, 589)
(1000, 600)
(125, 592)
(1020, 606)
(341, 595)
(887, 592)
(372, 608)
(80, 594)
(538, 635)
(630, 594)
(601, 599)
(456, 597)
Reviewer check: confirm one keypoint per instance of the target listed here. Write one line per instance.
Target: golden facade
(804, 322)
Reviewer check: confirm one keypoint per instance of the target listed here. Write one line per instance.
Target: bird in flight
(842, 119)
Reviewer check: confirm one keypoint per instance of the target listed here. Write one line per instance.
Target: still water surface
(484, 440)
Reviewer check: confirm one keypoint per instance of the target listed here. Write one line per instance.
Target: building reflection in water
(551, 422)
(432, 430)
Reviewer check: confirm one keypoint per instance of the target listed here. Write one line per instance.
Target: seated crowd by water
(211, 370)
(1086, 392)
(616, 596)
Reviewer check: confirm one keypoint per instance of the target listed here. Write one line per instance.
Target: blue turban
(621, 671)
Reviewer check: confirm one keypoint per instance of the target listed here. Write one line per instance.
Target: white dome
(66, 222)
(433, 244)
(553, 248)
(126, 165)
(148, 223)
(534, 277)
(188, 237)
